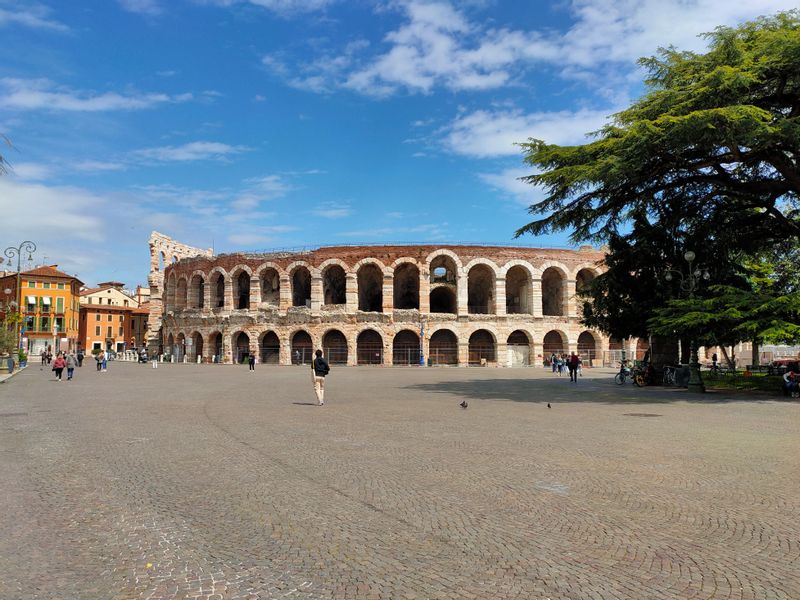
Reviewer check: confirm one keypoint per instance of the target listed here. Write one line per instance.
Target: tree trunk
(663, 351)
(685, 358)
(756, 352)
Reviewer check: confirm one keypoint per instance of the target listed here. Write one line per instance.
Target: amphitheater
(439, 305)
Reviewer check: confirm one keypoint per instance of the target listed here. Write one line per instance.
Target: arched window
(217, 290)
(406, 286)
(197, 291)
(270, 287)
(405, 348)
(369, 348)
(443, 348)
(481, 348)
(370, 288)
(270, 348)
(444, 285)
(480, 290)
(334, 347)
(241, 347)
(518, 291)
(196, 348)
(333, 285)
(553, 292)
(519, 349)
(443, 300)
(301, 287)
(241, 290)
(554, 342)
(587, 348)
(181, 296)
(215, 341)
(302, 348)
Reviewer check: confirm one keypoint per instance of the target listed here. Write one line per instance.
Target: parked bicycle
(635, 375)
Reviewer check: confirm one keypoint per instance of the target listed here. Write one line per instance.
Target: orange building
(50, 308)
(110, 319)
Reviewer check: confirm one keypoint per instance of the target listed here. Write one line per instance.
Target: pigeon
(464, 404)
(548, 405)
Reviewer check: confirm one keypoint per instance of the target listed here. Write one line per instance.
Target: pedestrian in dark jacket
(319, 369)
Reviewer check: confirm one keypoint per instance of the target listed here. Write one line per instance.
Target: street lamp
(10, 253)
(689, 284)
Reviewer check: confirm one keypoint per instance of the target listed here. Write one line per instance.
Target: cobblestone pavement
(212, 482)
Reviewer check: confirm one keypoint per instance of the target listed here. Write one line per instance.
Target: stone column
(255, 293)
(500, 296)
(570, 302)
(316, 293)
(207, 295)
(463, 354)
(501, 353)
(388, 293)
(228, 293)
(351, 293)
(254, 349)
(463, 294)
(285, 351)
(424, 294)
(536, 297)
(352, 358)
(284, 294)
(387, 351)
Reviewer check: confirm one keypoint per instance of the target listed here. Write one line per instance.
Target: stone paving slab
(209, 481)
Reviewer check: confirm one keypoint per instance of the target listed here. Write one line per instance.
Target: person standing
(251, 360)
(553, 362)
(154, 357)
(72, 362)
(319, 369)
(105, 361)
(58, 366)
(573, 363)
(98, 358)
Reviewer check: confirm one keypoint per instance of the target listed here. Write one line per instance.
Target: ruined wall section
(163, 252)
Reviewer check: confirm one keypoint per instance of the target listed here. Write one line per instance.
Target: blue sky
(257, 124)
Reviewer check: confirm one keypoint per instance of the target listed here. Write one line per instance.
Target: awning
(31, 299)
(45, 300)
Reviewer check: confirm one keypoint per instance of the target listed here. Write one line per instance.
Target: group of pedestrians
(571, 362)
(66, 361)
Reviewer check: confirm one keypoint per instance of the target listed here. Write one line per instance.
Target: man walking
(72, 362)
(319, 369)
(80, 358)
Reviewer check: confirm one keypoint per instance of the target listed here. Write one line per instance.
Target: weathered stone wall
(226, 306)
(163, 251)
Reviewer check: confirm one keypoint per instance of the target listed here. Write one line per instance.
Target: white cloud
(268, 187)
(507, 182)
(332, 210)
(150, 8)
(98, 165)
(31, 171)
(43, 94)
(190, 152)
(35, 16)
(485, 134)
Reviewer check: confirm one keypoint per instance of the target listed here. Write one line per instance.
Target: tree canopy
(708, 159)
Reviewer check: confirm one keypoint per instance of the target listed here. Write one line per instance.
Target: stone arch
(371, 261)
(300, 279)
(406, 283)
(302, 347)
(268, 275)
(369, 347)
(589, 348)
(170, 294)
(216, 346)
(444, 270)
(334, 347)
(269, 345)
(369, 277)
(520, 348)
(217, 281)
(182, 293)
(197, 290)
(554, 285)
(240, 345)
(180, 348)
(444, 252)
(554, 341)
(592, 269)
(482, 347)
(405, 348)
(334, 282)
(170, 344)
(481, 286)
(196, 347)
(443, 347)
(519, 288)
(443, 300)
(241, 276)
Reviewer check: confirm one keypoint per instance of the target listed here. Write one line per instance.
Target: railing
(405, 355)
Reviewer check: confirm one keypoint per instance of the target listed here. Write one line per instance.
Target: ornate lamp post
(689, 284)
(11, 252)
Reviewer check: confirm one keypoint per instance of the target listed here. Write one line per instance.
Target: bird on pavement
(548, 405)
(464, 404)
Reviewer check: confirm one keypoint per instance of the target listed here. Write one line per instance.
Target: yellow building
(50, 308)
